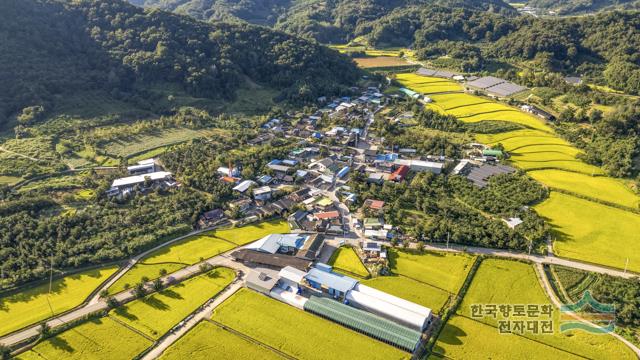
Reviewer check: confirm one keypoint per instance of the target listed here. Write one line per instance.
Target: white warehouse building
(390, 307)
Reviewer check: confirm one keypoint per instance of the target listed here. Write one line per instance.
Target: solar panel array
(426, 72)
(436, 73)
(480, 175)
(486, 82)
(506, 89)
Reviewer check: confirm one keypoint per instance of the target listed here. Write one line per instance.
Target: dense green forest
(35, 233)
(452, 208)
(573, 7)
(472, 34)
(52, 49)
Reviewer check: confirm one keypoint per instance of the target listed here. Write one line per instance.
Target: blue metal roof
(386, 157)
(343, 171)
(331, 280)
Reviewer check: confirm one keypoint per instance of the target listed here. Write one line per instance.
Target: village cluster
(309, 188)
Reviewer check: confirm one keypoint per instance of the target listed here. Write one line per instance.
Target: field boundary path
(546, 286)
(202, 314)
(221, 260)
(18, 154)
(134, 260)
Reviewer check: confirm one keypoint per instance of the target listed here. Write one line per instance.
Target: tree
(139, 290)
(163, 272)
(5, 352)
(158, 284)
(112, 302)
(104, 293)
(44, 330)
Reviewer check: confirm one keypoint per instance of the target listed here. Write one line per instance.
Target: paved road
(544, 281)
(134, 260)
(539, 259)
(123, 297)
(205, 313)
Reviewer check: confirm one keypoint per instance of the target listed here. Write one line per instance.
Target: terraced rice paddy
(35, 304)
(206, 339)
(155, 314)
(297, 333)
(427, 85)
(512, 283)
(380, 61)
(142, 143)
(593, 232)
(194, 248)
(97, 339)
(597, 187)
(345, 259)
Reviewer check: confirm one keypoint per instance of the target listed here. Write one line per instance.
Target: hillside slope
(51, 49)
(575, 7)
(327, 21)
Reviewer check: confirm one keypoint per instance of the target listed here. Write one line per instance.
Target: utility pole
(50, 273)
(626, 265)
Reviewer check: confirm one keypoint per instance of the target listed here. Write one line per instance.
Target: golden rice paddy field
(586, 229)
(505, 282)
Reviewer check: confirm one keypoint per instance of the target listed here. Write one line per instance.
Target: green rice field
(593, 232)
(297, 333)
(142, 143)
(206, 339)
(505, 282)
(190, 250)
(155, 314)
(35, 304)
(346, 259)
(101, 338)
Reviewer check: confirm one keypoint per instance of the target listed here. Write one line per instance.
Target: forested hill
(262, 12)
(327, 21)
(51, 48)
(574, 7)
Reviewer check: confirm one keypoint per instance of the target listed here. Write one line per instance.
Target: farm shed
(364, 322)
(491, 152)
(312, 247)
(270, 260)
(390, 307)
(244, 186)
(260, 282)
(131, 181)
(335, 284)
(421, 165)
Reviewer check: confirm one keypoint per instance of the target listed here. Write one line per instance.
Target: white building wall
(387, 310)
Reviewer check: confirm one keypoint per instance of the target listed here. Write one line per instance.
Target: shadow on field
(156, 303)
(172, 294)
(61, 344)
(452, 336)
(124, 312)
